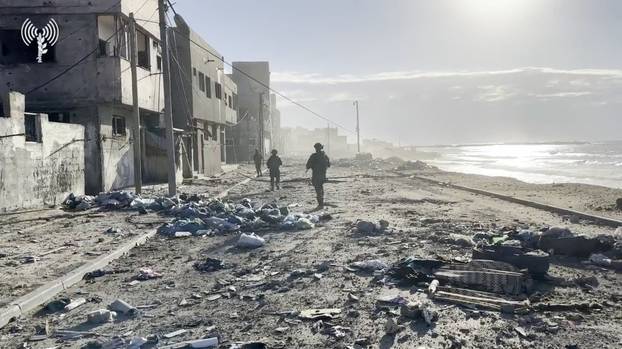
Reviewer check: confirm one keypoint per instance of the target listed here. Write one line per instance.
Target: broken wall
(38, 173)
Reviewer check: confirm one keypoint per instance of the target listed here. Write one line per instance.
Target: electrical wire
(257, 81)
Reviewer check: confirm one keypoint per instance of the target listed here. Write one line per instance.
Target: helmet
(274, 152)
(318, 146)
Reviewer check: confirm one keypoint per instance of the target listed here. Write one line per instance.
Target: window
(230, 102)
(201, 82)
(59, 117)
(194, 71)
(118, 126)
(159, 62)
(113, 34)
(235, 101)
(218, 90)
(144, 55)
(225, 99)
(208, 87)
(13, 50)
(32, 128)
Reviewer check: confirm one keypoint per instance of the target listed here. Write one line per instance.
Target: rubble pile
(366, 161)
(198, 216)
(217, 217)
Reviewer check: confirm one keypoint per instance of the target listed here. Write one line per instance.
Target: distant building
(204, 100)
(275, 117)
(254, 127)
(298, 142)
(89, 77)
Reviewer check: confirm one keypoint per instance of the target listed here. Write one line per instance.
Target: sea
(597, 163)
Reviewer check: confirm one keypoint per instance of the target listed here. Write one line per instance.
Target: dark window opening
(159, 62)
(194, 71)
(14, 51)
(32, 130)
(144, 55)
(208, 85)
(218, 90)
(230, 102)
(118, 126)
(113, 36)
(201, 82)
(59, 117)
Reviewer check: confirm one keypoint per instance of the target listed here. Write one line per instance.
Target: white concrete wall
(36, 174)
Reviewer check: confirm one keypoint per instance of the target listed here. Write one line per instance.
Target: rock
(410, 310)
(619, 204)
(365, 227)
(391, 327)
(600, 260)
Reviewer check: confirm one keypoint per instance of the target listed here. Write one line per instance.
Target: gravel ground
(256, 296)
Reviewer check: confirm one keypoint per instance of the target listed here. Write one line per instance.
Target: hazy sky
(434, 71)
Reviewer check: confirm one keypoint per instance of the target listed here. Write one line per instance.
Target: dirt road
(258, 294)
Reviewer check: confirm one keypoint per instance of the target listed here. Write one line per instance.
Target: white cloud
(314, 78)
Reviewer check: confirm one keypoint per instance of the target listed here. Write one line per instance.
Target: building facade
(85, 78)
(204, 99)
(254, 127)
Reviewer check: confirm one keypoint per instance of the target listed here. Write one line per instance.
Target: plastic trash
(250, 241)
(304, 223)
(600, 260)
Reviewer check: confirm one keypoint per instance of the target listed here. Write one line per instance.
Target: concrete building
(298, 142)
(254, 128)
(41, 162)
(85, 78)
(204, 100)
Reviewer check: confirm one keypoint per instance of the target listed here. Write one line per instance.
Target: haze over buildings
(429, 72)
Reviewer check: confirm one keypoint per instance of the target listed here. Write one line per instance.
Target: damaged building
(85, 79)
(254, 128)
(204, 100)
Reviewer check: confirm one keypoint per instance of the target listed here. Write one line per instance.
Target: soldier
(318, 163)
(273, 163)
(258, 158)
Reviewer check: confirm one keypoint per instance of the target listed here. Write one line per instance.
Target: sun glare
(493, 9)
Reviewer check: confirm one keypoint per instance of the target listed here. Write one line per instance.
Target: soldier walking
(318, 163)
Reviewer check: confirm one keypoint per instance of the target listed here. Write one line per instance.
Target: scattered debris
(147, 274)
(101, 316)
(75, 303)
(371, 265)
(122, 307)
(319, 314)
(250, 241)
(209, 264)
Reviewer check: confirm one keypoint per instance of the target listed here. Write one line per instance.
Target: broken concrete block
(101, 316)
(120, 306)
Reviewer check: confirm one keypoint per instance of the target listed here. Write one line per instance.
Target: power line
(86, 56)
(261, 83)
(73, 65)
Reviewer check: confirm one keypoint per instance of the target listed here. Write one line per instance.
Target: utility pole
(260, 126)
(358, 129)
(168, 115)
(138, 173)
(328, 138)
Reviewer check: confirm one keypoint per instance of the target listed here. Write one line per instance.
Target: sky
(433, 71)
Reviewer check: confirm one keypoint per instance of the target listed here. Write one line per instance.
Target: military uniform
(318, 163)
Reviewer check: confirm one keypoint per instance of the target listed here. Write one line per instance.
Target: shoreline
(589, 198)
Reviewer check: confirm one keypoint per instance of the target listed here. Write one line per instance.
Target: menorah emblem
(46, 37)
